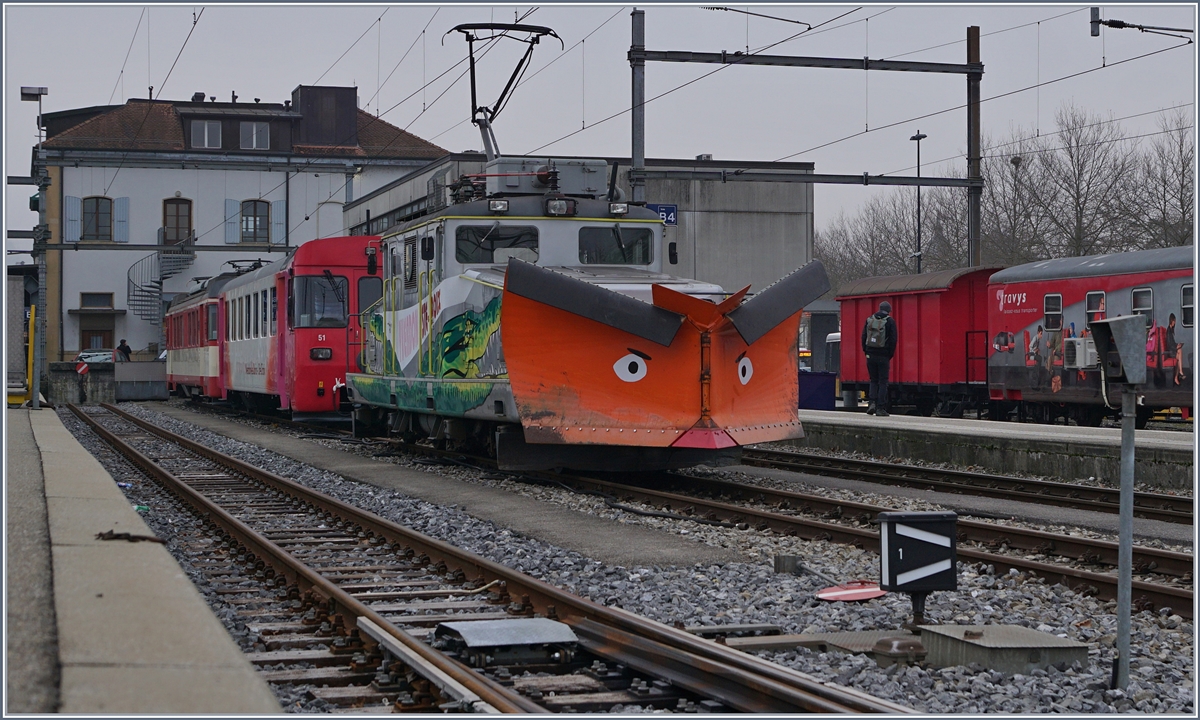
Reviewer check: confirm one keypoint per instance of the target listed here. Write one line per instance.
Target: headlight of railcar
(321, 353)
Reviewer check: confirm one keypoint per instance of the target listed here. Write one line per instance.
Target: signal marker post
(917, 555)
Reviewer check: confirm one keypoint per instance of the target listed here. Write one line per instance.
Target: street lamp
(918, 138)
(31, 94)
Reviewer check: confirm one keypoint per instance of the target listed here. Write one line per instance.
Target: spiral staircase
(146, 276)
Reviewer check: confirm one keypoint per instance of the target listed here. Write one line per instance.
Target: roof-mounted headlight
(498, 206)
(560, 206)
(618, 208)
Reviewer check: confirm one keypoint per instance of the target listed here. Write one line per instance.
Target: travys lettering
(1010, 300)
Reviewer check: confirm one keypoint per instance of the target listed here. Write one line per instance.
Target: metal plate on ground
(521, 631)
(853, 591)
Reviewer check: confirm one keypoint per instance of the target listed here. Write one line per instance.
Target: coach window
(212, 322)
(254, 312)
(228, 318)
(495, 243)
(262, 311)
(321, 300)
(1094, 302)
(246, 311)
(1052, 305)
(1143, 303)
(1185, 305)
(615, 245)
(241, 318)
(274, 309)
(370, 289)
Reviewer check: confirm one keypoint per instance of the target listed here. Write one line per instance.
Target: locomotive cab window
(1185, 304)
(1052, 305)
(320, 301)
(370, 290)
(1143, 303)
(615, 245)
(495, 243)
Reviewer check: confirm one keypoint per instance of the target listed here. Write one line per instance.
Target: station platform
(1164, 458)
(126, 631)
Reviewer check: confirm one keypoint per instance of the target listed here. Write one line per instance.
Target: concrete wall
(64, 387)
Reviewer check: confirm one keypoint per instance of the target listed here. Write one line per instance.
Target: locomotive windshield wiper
(333, 285)
(616, 230)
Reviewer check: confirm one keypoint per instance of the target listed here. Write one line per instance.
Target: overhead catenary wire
(420, 37)
(705, 75)
(150, 99)
(360, 37)
(1032, 138)
(994, 97)
(121, 75)
(195, 21)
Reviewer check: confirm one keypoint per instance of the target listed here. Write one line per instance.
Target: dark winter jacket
(889, 348)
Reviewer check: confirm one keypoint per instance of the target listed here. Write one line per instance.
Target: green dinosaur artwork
(465, 342)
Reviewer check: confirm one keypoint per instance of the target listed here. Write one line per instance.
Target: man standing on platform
(879, 344)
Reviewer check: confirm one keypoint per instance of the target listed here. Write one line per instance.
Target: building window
(97, 219)
(256, 221)
(95, 300)
(1052, 305)
(1143, 303)
(256, 136)
(177, 220)
(206, 134)
(1185, 304)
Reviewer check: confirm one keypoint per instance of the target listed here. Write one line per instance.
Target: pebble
(750, 592)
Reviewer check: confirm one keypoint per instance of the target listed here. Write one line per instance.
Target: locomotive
(1015, 341)
(532, 319)
(232, 340)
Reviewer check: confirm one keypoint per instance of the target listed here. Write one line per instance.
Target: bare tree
(1158, 209)
(1083, 170)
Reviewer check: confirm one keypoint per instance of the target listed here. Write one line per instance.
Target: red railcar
(278, 336)
(193, 331)
(941, 320)
(285, 342)
(1016, 340)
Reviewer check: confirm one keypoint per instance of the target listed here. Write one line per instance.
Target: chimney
(287, 104)
(234, 94)
(198, 97)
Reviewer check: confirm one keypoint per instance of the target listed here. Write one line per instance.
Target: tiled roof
(136, 125)
(156, 125)
(379, 138)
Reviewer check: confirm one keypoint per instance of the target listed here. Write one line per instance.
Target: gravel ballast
(1162, 668)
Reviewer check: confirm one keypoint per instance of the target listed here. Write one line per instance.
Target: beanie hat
(885, 306)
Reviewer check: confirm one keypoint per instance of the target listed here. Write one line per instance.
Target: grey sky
(748, 113)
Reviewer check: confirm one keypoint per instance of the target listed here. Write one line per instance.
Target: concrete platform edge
(135, 636)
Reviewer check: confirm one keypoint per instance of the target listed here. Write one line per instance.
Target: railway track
(843, 521)
(385, 615)
(1152, 506)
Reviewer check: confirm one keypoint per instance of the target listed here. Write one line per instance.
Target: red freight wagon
(942, 350)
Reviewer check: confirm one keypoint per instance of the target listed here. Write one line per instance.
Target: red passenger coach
(285, 326)
(193, 331)
(942, 350)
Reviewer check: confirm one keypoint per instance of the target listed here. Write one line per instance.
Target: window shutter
(232, 214)
(278, 221)
(121, 220)
(72, 227)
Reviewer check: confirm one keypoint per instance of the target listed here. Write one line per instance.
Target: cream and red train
(278, 336)
(533, 317)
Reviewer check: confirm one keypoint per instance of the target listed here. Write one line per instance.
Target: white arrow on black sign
(924, 536)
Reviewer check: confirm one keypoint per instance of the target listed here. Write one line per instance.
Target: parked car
(99, 356)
